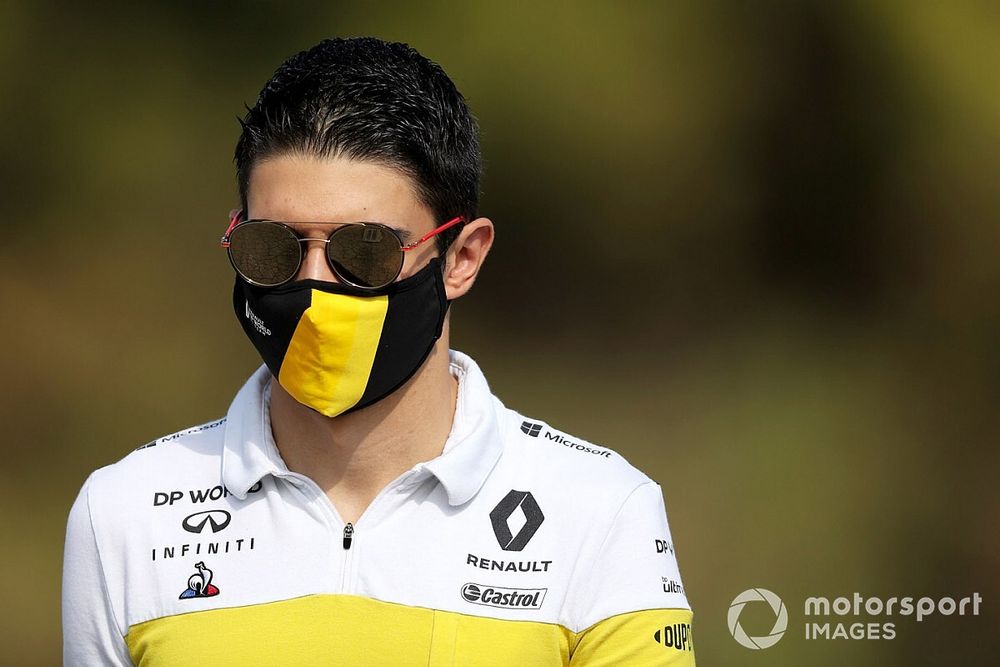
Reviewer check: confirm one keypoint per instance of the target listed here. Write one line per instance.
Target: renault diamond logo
(501, 515)
(217, 520)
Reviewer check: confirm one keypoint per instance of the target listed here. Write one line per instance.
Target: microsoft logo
(531, 428)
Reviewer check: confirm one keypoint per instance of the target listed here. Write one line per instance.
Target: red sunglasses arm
(234, 219)
(431, 234)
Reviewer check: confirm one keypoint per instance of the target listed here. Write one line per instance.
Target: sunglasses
(368, 255)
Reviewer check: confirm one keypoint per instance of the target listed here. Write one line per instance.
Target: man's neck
(354, 456)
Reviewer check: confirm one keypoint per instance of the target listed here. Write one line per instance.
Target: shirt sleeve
(634, 611)
(91, 634)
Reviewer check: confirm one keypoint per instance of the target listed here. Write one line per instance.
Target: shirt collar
(470, 453)
(476, 440)
(249, 452)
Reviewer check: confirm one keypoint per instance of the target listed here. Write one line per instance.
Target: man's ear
(466, 256)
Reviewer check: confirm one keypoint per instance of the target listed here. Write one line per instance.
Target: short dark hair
(367, 99)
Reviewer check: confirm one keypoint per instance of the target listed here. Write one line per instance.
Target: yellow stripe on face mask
(330, 357)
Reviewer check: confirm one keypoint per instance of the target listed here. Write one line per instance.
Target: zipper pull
(348, 535)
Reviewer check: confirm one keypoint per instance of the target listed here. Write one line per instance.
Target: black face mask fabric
(337, 348)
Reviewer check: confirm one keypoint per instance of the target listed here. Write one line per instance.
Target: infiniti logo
(217, 520)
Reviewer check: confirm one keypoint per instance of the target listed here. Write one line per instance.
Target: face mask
(337, 348)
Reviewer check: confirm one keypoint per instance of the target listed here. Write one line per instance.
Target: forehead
(307, 188)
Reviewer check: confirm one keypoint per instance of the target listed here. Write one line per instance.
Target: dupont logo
(531, 428)
(529, 517)
(504, 598)
(676, 635)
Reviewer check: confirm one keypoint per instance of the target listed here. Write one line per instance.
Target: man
(366, 500)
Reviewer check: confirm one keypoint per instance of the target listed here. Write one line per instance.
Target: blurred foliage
(751, 245)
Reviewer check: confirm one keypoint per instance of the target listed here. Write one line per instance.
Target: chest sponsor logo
(528, 516)
(531, 428)
(504, 598)
(200, 583)
(676, 636)
(664, 547)
(534, 429)
(508, 565)
(209, 548)
(181, 434)
(576, 446)
(215, 520)
(196, 496)
(672, 585)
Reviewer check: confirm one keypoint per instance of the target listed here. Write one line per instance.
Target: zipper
(348, 535)
(346, 564)
(349, 529)
(334, 517)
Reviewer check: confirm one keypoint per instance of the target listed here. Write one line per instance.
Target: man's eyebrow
(404, 235)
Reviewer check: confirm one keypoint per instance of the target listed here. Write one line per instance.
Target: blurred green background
(753, 246)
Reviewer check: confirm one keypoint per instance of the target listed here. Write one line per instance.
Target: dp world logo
(780, 620)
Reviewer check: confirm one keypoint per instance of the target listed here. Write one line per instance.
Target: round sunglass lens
(365, 255)
(264, 253)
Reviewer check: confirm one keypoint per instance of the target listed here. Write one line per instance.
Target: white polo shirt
(518, 545)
